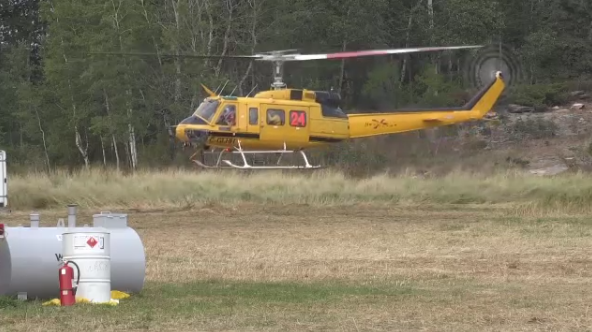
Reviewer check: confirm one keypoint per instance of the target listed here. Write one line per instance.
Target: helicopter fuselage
(275, 119)
(289, 119)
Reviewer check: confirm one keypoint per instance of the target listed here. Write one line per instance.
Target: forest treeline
(61, 105)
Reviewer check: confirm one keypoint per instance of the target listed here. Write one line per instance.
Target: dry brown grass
(362, 267)
(185, 189)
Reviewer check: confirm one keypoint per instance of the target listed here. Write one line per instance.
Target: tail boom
(403, 120)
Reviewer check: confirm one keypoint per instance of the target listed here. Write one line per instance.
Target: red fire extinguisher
(67, 290)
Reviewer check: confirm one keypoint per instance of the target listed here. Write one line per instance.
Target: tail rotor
(482, 66)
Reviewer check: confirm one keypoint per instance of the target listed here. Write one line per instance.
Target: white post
(72, 215)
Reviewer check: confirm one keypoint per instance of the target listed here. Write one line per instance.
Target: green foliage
(468, 21)
(432, 89)
(9, 303)
(539, 96)
(384, 89)
(61, 106)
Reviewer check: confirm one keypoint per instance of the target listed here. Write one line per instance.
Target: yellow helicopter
(286, 121)
(283, 121)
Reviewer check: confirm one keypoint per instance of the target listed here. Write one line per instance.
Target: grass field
(184, 189)
(331, 254)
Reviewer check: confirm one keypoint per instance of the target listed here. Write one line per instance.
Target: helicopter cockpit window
(331, 111)
(193, 120)
(207, 109)
(330, 104)
(228, 116)
(276, 117)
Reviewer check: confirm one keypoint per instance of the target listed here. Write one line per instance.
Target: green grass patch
(206, 300)
(449, 303)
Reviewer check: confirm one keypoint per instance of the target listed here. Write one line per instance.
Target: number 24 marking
(298, 118)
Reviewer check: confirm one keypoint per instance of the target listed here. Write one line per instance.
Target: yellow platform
(115, 297)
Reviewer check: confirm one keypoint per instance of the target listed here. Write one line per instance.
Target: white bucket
(91, 251)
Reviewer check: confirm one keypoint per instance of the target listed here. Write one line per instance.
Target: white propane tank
(90, 251)
(30, 256)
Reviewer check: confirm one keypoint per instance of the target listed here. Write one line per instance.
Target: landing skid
(227, 164)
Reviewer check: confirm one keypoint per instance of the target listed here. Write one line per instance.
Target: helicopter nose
(180, 133)
(186, 134)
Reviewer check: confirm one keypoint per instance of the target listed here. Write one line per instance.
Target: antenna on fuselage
(218, 87)
(219, 93)
(231, 92)
(253, 89)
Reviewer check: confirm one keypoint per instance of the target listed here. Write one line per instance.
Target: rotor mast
(278, 58)
(278, 73)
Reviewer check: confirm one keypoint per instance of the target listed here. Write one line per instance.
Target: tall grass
(104, 189)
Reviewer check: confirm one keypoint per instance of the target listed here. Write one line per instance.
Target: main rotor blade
(199, 56)
(355, 54)
(300, 57)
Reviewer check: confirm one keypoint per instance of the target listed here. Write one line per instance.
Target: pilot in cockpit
(229, 115)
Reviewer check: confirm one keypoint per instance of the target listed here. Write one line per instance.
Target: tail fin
(484, 101)
(402, 120)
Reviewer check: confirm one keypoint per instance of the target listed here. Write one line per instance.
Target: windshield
(207, 109)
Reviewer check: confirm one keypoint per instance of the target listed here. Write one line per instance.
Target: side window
(298, 118)
(276, 117)
(228, 116)
(253, 116)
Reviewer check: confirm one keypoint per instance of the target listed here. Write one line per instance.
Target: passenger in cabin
(274, 119)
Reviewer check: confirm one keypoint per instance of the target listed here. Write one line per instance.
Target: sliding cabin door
(284, 124)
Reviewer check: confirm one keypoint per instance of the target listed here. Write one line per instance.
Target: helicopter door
(279, 126)
(298, 126)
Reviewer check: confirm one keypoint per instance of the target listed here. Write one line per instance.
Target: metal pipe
(72, 215)
(34, 217)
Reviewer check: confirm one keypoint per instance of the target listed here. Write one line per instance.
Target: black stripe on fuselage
(237, 135)
(256, 136)
(324, 139)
